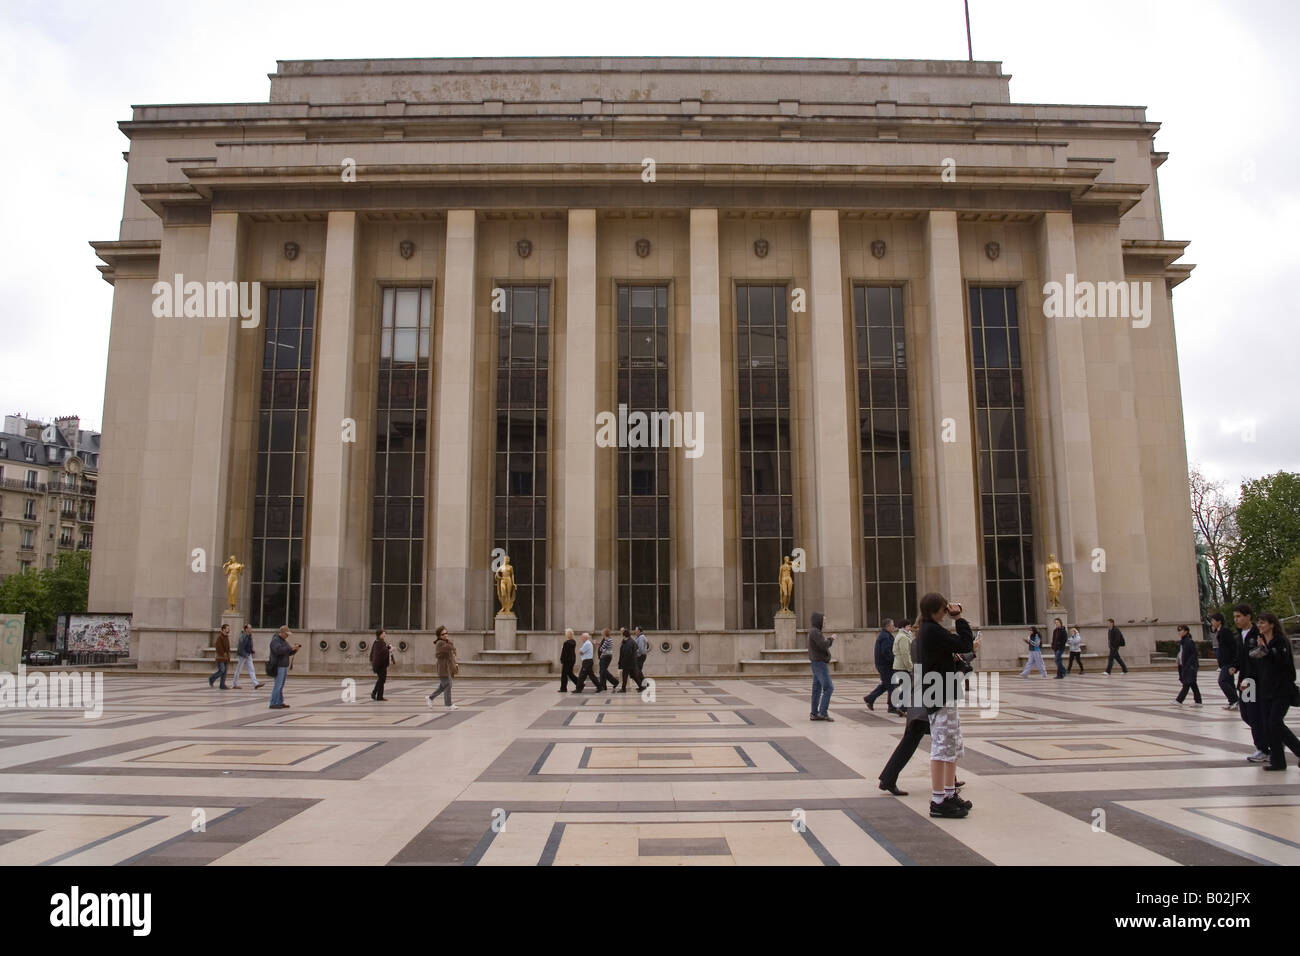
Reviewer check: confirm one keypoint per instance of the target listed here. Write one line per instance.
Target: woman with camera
(938, 649)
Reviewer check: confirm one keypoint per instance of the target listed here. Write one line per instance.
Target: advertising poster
(11, 641)
(99, 634)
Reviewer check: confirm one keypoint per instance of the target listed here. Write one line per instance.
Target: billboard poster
(99, 634)
(11, 641)
(61, 633)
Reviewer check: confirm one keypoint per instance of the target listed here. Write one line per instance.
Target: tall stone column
(706, 580)
(331, 458)
(164, 577)
(832, 567)
(576, 523)
(454, 404)
(954, 534)
(214, 397)
(1074, 500)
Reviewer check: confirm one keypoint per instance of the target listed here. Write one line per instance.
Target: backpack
(271, 665)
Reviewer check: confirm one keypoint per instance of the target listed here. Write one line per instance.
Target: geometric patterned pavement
(1090, 771)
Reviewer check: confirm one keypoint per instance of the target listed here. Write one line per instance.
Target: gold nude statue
(233, 570)
(506, 586)
(787, 583)
(1055, 581)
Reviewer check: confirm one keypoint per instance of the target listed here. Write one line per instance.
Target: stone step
(504, 657)
(785, 653)
(781, 667)
(490, 668)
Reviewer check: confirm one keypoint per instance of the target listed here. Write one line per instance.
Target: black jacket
(1059, 638)
(1246, 665)
(884, 652)
(1276, 670)
(938, 645)
(627, 654)
(569, 652)
(381, 655)
(1188, 662)
(1113, 638)
(819, 645)
(1225, 647)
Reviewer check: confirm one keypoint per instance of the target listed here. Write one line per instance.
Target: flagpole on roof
(970, 54)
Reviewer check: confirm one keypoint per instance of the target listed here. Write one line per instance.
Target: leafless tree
(1214, 519)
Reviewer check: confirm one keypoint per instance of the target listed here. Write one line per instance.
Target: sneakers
(1177, 701)
(871, 704)
(1232, 706)
(452, 707)
(950, 809)
(1258, 757)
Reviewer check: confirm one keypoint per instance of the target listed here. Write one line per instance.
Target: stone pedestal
(785, 630)
(505, 625)
(236, 622)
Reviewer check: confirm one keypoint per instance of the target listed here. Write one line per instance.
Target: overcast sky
(1222, 79)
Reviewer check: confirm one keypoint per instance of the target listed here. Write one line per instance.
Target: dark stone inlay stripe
(643, 755)
(8, 836)
(537, 767)
(745, 757)
(683, 846)
(552, 846)
(817, 847)
(880, 838)
(1148, 831)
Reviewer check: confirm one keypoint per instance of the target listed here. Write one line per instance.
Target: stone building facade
(836, 271)
(48, 476)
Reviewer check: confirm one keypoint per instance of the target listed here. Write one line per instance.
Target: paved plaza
(1092, 770)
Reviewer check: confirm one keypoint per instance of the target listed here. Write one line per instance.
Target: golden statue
(1055, 581)
(787, 583)
(233, 570)
(506, 586)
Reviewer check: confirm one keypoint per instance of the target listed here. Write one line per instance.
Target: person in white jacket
(1075, 643)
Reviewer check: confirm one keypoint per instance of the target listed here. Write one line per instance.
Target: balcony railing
(19, 484)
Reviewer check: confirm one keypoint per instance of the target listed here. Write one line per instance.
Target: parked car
(42, 658)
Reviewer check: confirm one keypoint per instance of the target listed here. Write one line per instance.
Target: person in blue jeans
(819, 655)
(281, 654)
(884, 665)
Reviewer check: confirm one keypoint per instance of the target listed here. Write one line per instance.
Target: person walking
(642, 651)
(819, 655)
(222, 655)
(1075, 644)
(1225, 654)
(444, 652)
(1035, 642)
(281, 657)
(938, 647)
(606, 655)
(884, 664)
(245, 649)
(381, 656)
(1114, 641)
(568, 656)
(627, 662)
(1059, 639)
(1245, 671)
(899, 687)
(1277, 689)
(1188, 665)
(585, 653)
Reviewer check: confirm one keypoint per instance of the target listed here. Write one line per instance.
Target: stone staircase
(781, 662)
(505, 664)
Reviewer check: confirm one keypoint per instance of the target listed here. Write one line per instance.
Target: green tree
(1268, 521)
(28, 592)
(68, 582)
(1284, 598)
